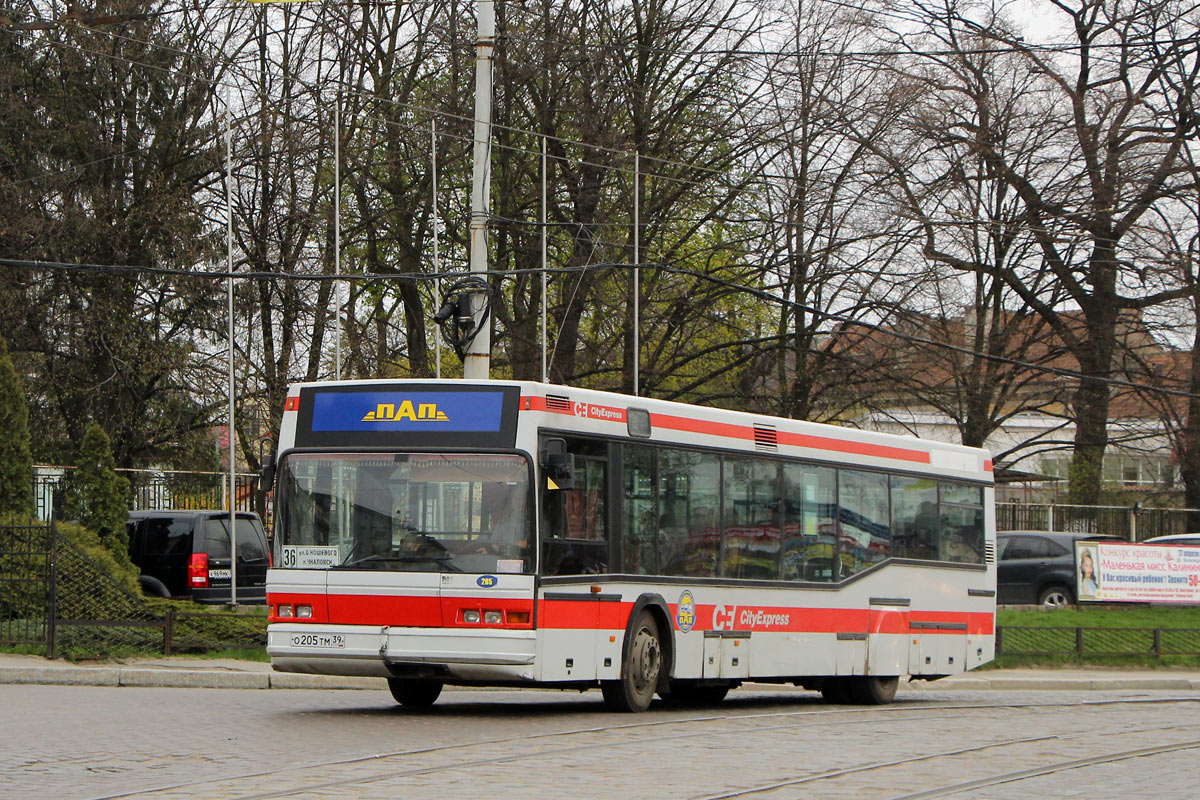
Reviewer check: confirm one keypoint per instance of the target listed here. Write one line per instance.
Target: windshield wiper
(402, 558)
(444, 560)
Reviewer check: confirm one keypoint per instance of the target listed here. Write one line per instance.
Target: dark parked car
(187, 554)
(1036, 567)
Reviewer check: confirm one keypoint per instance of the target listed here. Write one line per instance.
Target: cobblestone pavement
(91, 742)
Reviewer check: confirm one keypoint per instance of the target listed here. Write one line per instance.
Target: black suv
(1036, 567)
(186, 554)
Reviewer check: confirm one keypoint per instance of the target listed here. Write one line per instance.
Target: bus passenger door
(582, 628)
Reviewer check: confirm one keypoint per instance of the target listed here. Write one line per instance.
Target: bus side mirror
(266, 475)
(557, 463)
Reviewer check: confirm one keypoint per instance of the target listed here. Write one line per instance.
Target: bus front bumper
(473, 654)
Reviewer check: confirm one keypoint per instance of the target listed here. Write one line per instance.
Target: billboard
(1120, 572)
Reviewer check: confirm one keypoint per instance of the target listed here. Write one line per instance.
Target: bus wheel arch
(657, 606)
(619, 693)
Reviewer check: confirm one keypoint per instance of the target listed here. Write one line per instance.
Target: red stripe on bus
(730, 430)
(746, 432)
(406, 611)
(320, 610)
(977, 622)
(415, 611)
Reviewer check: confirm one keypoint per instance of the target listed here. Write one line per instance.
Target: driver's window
(575, 519)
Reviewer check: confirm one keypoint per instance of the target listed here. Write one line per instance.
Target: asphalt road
(91, 742)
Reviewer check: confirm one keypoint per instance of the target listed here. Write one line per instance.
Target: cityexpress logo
(728, 618)
(390, 412)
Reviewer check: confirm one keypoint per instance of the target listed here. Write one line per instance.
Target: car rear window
(251, 540)
(168, 535)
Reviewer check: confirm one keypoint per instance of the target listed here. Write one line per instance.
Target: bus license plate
(335, 640)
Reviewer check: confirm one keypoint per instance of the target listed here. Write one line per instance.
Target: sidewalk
(199, 673)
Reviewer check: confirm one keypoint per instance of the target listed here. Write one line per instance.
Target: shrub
(16, 462)
(89, 541)
(98, 497)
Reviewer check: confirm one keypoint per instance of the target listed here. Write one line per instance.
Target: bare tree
(1106, 131)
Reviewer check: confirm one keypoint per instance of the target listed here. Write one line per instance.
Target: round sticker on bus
(685, 612)
(487, 581)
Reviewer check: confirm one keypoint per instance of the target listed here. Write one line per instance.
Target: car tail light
(270, 559)
(198, 570)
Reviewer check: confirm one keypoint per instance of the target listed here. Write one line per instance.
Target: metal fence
(1080, 641)
(55, 600)
(1133, 523)
(26, 602)
(155, 490)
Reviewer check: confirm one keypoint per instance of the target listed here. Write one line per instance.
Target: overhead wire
(221, 275)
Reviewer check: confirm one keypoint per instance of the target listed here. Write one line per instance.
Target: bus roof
(590, 411)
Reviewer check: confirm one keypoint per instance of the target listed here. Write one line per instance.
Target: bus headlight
(471, 616)
(492, 617)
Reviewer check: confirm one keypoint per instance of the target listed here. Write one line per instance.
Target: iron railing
(156, 490)
(1132, 523)
(55, 600)
(1087, 641)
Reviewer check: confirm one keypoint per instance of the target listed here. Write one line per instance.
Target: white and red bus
(510, 533)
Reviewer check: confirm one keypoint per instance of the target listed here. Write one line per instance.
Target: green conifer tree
(16, 462)
(98, 497)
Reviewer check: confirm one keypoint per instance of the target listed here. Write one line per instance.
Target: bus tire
(873, 690)
(414, 692)
(641, 669)
(688, 693)
(836, 691)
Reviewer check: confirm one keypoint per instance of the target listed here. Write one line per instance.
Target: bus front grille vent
(557, 402)
(765, 438)
(989, 552)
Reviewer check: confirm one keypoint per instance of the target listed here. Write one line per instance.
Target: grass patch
(24, 649)
(1100, 636)
(235, 653)
(1067, 662)
(1139, 616)
(203, 628)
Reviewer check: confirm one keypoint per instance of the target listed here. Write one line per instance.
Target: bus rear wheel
(873, 690)
(415, 692)
(639, 673)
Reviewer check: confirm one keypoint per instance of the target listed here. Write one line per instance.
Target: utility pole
(477, 364)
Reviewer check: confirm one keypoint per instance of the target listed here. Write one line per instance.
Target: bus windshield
(407, 512)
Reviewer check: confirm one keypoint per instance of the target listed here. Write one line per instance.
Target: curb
(143, 677)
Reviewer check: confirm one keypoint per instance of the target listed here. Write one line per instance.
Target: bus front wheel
(639, 673)
(415, 692)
